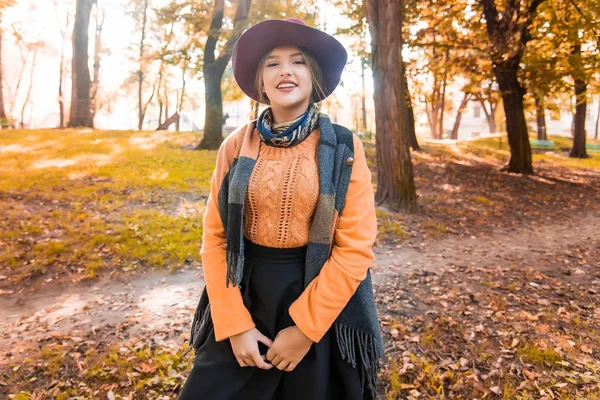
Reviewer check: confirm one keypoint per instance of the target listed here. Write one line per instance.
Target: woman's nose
(286, 71)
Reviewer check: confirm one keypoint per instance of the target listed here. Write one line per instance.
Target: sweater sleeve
(230, 315)
(351, 256)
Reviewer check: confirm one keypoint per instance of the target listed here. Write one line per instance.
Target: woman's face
(287, 80)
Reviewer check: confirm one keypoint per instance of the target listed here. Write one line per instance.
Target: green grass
(497, 149)
(69, 164)
(81, 199)
(532, 353)
(389, 226)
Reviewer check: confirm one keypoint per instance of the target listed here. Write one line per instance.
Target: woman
(288, 309)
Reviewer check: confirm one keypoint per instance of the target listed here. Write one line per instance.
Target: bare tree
(100, 16)
(61, 71)
(35, 48)
(141, 107)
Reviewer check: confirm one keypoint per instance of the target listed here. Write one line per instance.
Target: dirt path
(523, 245)
(160, 305)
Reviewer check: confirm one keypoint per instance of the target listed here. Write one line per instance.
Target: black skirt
(273, 280)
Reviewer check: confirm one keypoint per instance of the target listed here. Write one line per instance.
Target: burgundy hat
(261, 38)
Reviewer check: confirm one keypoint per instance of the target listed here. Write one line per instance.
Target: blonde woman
(288, 310)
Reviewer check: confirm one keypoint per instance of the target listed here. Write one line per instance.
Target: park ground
(490, 291)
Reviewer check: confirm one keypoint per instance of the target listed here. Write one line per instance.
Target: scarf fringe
(235, 267)
(353, 343)
(200, 326)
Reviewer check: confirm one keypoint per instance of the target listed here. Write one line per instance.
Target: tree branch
(491, 16)
(214, 32)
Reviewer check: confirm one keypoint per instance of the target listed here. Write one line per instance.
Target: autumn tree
(81, 115)
(214, 67)
(579, 25)
(508, 28)
(562, 59)
(543, 79)
(355, 10)
(395, 181)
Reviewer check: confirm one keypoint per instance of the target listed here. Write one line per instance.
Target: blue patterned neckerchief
(289, 133)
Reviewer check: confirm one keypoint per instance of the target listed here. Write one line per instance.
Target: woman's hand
(245, 348)
(289, 348)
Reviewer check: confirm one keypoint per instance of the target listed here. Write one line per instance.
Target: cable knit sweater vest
(282, 194)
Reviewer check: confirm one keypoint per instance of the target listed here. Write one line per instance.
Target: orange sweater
(351, 256)
(282, 194)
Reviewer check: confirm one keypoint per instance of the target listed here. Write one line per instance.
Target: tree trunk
(160, 112)
(516, 126)
(490, 115)
(492, 119)
(31, 75)
(181, 97)
(80, 93)
(213, 128)
(61, 74)
(395, 181)
(465, 100)
(579, 137)
(410, 114)
(540, 111)
(213, 69)
(443, 99)
(97, 50)
(3, 117)
(166, 103)
(363, 96)
(508, 31)
(165, 125)
(140, 72)
(597, 120)
(61, 97)
(433, 116)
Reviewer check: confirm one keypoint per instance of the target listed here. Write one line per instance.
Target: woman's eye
(271, 65)
(300, 62)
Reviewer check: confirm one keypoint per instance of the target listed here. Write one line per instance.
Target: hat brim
(261, 38)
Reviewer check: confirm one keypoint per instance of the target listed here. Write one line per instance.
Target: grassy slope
(79, 201)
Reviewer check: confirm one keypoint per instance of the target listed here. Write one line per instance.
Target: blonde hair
(316, 77)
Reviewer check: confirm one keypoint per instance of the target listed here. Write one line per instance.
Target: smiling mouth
(286, 86)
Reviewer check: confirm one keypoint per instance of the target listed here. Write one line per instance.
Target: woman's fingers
(291, 367)
(282, 365)
(264, 340)
(241, 362)
(276, 359)
(249, 360)
(258, 360)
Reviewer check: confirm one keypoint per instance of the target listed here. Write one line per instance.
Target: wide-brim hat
(261, 38)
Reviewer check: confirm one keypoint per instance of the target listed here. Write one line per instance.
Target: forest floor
(491, 290)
